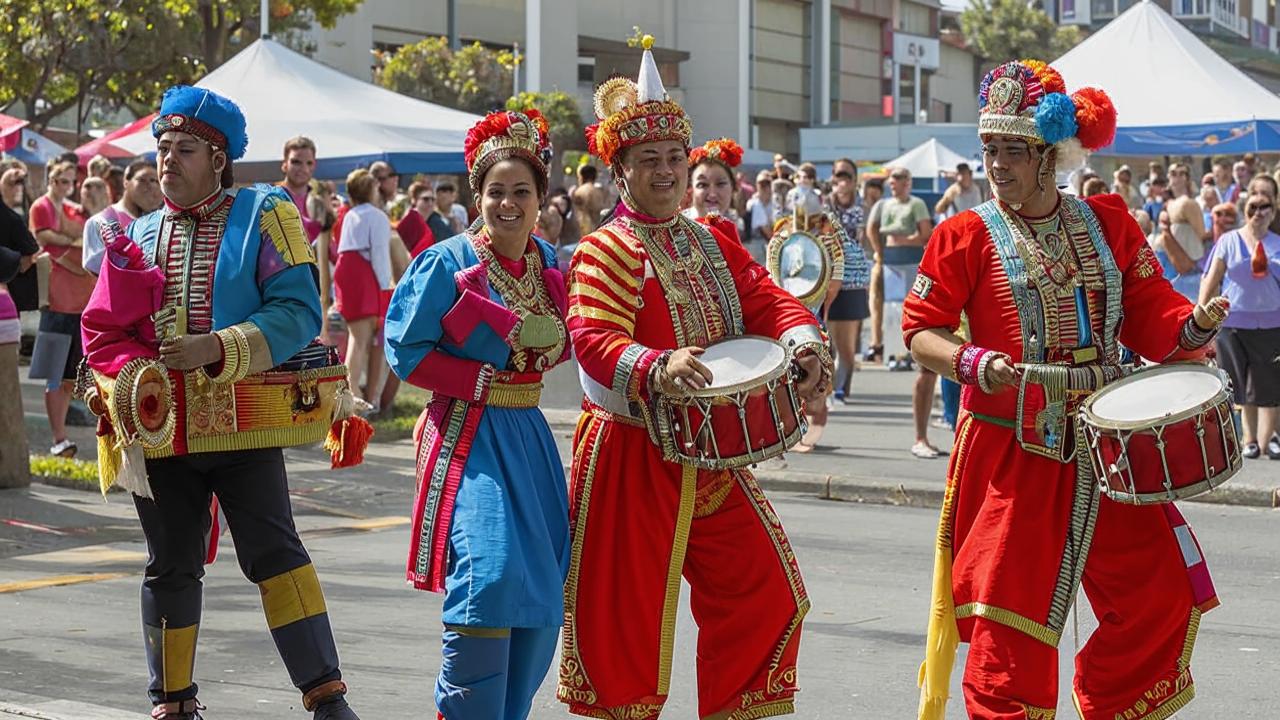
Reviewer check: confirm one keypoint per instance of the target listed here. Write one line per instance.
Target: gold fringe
(943, 636)
(108, 462)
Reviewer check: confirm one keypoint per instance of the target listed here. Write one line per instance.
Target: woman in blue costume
(477, 320)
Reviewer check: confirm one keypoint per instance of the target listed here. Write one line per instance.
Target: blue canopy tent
(1174, 95)
(353, 123)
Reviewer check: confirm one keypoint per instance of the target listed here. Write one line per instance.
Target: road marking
(86, 555)
(57, 581)
(33, 526)
(361, 525)
(380, 523)
(21, 705)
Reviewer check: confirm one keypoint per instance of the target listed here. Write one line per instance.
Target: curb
(71, 484)
(863, 490)
(849, 489)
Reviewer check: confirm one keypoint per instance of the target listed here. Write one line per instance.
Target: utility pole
(265, 11)
(455, 43)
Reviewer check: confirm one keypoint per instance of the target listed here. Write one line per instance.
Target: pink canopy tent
(103, 145)
(10, 132)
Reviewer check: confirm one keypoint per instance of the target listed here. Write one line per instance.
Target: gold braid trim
(1193, 628)
(679, 544)
(770, 709)
(1008, 618)
(506, 395)
(1039, 713)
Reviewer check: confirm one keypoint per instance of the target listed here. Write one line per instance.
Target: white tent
(1173, 94)
(930, 160)
(353, 123)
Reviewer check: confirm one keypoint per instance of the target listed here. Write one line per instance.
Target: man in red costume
(647, 291)
(1045, 279)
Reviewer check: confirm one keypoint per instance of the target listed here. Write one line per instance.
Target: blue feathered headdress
(205, 114)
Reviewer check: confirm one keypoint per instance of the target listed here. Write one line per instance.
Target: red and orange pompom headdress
(724, 151)
(1028, 99)
(631, 113)
(508, 134)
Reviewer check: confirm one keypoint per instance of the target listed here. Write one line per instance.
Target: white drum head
(742, 360)
(1155, 395)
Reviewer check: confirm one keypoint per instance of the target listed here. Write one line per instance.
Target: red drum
(1162, 434)
(748, 414)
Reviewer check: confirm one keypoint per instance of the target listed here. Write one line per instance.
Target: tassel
(347, 440)
(133, 471)
(942, 639)
(108, 461)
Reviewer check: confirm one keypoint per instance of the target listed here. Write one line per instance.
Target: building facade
(1242, 31)
(749, 69)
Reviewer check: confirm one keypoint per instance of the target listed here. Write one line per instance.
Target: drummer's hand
(684, 372)
(188, 352)
(812, 388)
(1211, 315)
(1001, 375)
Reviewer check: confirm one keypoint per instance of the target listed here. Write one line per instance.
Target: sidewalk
(864, 455)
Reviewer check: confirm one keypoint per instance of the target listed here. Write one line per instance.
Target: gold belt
(514, 395)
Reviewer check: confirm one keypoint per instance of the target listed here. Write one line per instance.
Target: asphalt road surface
(74, 652)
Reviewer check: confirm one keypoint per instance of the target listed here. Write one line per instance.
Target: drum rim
(1196, 489)
(709, 393)
(1086, 408)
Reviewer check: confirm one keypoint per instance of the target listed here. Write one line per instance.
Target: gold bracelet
(235, 355)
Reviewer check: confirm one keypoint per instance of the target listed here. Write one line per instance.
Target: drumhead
(1151, 395)
(742, 360)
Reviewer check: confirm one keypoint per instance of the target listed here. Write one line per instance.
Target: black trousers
(253, 492)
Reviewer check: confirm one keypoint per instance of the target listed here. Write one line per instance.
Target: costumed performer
(478, 319)
(1045, 279)
(807, 256)
(647, 291)
(199, 335)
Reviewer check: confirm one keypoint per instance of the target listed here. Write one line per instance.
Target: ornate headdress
(631, 113)
(205, 114)
(724, 151)
(1029, 99)
(508, 134)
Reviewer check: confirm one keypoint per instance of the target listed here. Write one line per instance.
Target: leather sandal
(328, 702)
(181, 710)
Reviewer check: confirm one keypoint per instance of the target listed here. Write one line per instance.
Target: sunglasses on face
(1252, 210)
(842, 175)
(428, 198)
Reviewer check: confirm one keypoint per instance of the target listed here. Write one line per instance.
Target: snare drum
(749, 413)
(1162, 434)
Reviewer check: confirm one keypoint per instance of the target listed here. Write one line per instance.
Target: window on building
(1068, 9)
(915, 19)
(1103, 8)
(586, 69)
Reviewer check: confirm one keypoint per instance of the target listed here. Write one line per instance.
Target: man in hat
(222, 286)
(648, 291)
(1045, 278)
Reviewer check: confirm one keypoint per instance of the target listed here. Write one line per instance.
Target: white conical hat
(634, 112)
(649, 84)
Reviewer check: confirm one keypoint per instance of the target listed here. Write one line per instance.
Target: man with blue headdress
(200, 335)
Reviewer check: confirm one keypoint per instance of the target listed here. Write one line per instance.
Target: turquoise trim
(1026, 298)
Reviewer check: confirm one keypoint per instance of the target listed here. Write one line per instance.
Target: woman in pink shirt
(58, 225)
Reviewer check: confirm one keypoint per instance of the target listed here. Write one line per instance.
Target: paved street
(70, 565)
(73, 651)
(863, 455)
